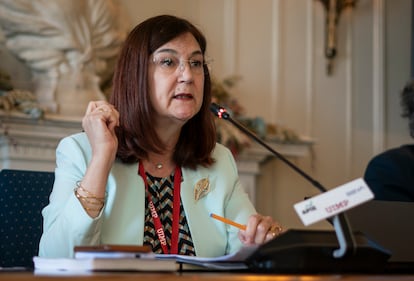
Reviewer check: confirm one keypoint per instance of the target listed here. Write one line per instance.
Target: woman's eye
(196, 63)
(168, 62)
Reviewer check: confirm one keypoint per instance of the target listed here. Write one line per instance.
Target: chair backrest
(23, 194)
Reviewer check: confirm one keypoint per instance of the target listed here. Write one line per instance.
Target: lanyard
(176, 212)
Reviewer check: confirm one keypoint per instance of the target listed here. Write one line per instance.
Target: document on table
(127, 261)
(104, 264)
(235, 261)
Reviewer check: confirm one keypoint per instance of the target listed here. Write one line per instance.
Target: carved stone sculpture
(69, 46)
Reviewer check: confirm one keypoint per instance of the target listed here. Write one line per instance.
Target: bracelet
(90, 198)
(87, 199)
(89, 195)
(93, 209)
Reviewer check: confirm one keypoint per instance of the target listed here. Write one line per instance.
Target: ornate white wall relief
(69, 46)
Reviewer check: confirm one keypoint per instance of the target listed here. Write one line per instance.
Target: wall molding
(230, 49)
(276, 62)
(348, 93)
(378, 77)
(309, 79)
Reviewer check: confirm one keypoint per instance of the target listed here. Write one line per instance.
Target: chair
(23, 194)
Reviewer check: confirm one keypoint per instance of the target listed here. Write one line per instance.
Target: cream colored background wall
(277, 47)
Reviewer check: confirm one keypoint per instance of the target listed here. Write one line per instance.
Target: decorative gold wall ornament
(333, 9)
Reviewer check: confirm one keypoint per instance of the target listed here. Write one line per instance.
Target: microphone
(222, 113)
(312, 251)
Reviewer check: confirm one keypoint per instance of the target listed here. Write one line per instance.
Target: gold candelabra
(333, 9)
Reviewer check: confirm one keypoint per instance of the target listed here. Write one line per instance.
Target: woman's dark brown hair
(130, 96)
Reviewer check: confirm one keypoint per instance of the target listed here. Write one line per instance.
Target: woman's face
(177, 79)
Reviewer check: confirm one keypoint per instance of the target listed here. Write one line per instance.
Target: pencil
(227, 221)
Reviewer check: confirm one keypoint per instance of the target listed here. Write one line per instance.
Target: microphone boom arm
(280, 156)
(340, 222)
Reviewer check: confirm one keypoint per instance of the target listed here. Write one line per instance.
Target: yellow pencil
(217, 217)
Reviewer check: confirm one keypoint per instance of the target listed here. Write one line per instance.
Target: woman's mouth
(183, 96)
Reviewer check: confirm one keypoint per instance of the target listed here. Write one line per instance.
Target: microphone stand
(348, 245)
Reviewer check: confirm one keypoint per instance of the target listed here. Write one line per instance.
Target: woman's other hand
(259, 229)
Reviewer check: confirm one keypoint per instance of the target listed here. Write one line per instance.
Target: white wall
(277, 47)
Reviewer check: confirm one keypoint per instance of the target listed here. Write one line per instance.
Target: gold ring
(276, 230)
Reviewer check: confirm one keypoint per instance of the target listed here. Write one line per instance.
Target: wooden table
(200, 276)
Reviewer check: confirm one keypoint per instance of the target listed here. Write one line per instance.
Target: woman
(156, 134)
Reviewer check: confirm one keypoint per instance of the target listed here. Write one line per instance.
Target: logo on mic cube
(334, 201)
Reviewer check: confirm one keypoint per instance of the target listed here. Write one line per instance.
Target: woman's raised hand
(99, 124)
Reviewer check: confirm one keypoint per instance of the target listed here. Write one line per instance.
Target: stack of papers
(235, 261)
(103, 264)
(85, 261)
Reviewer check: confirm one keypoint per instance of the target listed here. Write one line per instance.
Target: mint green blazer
(121, 221)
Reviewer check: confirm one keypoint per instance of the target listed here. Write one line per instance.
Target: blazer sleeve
(238, 208)
(65, 223)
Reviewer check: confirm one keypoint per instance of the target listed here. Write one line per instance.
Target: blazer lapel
(196, 208)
